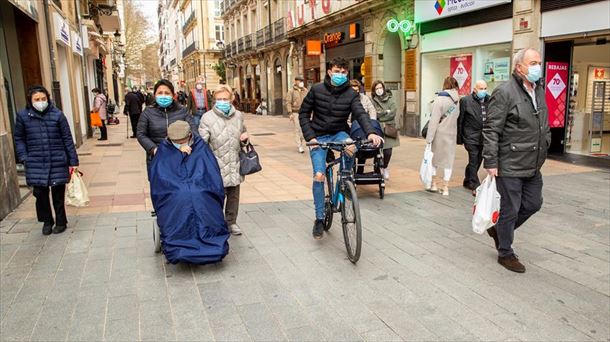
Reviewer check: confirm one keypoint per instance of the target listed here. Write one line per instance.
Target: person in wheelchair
(188, 196)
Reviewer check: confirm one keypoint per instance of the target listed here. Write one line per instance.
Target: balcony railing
(248, 42)
(268, 34)
(260, 38)
(190, 49)
(188, 22)
(172, 62)
(242, 44)
(278, 28)
(234, 50)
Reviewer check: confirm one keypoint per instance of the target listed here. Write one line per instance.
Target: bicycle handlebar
(345, 143)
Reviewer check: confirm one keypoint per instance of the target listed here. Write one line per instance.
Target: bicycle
(342, 197)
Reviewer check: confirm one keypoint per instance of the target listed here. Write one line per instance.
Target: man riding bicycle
(331, 103)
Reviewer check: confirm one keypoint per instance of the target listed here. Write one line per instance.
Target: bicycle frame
(342, 174)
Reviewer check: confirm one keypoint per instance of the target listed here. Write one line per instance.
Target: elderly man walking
(473, 112)
(294, 99)
(516, 138)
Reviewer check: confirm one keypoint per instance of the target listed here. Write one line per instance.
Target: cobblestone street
(423, 274)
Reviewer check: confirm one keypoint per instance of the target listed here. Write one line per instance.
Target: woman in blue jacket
(44, 145)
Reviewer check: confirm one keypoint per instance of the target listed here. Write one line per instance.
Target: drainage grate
(262, 134)
(110, 145)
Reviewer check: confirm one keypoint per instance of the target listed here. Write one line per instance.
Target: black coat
(331, 107)
(516, 135)
(44, 144)
(154, 121)
(133, 103)
(470, 121)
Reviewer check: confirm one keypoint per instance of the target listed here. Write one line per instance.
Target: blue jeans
(197, 118)
(318, 161)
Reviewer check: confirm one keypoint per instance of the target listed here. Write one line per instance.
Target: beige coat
(443, 135)
(294, 99)
(368, 106)
(99, 105)
(222, 133)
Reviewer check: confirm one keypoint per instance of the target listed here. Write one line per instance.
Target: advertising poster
(461, 70)
(497, 70)
(556, 89)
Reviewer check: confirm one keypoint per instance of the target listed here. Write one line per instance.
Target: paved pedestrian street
(423, 274)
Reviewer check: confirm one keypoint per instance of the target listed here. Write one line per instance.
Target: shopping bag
(76, 191)
(249, 162)
(486, 210)
(426, 170)
(96, 121)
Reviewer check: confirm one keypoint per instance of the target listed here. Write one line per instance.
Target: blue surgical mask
(338, 78)
(164, 100)
(177, 145)
(223, 106)
(481, 94)
(534, 72)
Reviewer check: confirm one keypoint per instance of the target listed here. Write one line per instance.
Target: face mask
(379, 92)
(40, 105)
(338, 78)
(301, 84)
(164, 100)
(223, 106)
(199, 87)
(481, 94)
(534, 72)
(178, 146)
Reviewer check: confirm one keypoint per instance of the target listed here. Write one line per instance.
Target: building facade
(191, 34)
(61, 45)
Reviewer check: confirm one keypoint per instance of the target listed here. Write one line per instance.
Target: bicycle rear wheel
(352, 227)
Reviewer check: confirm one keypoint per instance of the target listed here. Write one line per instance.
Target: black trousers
(134, 118)
(104, 130)
(521, 198)
(475, 158)
(387, 155)
(43, 204)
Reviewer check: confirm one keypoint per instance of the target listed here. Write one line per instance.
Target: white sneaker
(301, 150)
(235, 230)
(386, 174)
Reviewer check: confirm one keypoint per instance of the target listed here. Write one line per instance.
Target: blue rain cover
(188, 195)
(357, 133)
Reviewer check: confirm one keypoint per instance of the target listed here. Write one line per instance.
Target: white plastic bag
(426, 170)
(76, 191)
(486, 209)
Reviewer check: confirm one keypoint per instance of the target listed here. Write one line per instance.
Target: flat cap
(299, 78)
(178, 130)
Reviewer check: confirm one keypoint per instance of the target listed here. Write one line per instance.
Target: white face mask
(301, 84)
(379, 91)
(40, 105)
(199, 87)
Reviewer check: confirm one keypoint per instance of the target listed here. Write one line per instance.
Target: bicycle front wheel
(352, 227)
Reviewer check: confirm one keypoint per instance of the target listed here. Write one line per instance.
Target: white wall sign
(85, 37)
(77, 45)
(62, 29)
(427, 10)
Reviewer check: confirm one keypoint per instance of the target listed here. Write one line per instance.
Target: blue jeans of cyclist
(318, 161)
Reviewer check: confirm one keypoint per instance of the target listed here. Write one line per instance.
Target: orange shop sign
(333, 38)
(314, 47)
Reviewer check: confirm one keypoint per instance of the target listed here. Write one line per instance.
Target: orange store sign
(314, 47)
(333, 38)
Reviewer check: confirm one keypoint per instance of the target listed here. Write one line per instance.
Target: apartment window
(217, 8)
(220, 32)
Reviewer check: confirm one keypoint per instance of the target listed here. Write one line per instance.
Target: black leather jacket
(516, 135)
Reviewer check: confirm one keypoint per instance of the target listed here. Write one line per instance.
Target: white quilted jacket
(222, 134)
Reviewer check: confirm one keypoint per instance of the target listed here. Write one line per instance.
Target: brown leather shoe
(494, 235)
(511, 263)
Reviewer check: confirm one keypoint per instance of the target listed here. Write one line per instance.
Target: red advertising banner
(461, 70)
(556, 90)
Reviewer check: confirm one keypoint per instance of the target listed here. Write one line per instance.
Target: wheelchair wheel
(156, 237)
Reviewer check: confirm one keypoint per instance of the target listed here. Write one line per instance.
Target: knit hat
(178, 130)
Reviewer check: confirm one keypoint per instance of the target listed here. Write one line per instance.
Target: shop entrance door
(600, 119)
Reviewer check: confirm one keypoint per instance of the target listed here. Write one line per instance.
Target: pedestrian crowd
(194, 143)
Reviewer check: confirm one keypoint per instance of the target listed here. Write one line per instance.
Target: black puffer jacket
(331, 107)
(133, 103)
(152, 127)
(470, 121)
(516, 135)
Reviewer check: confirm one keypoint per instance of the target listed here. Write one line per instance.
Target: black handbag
(249, 162)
